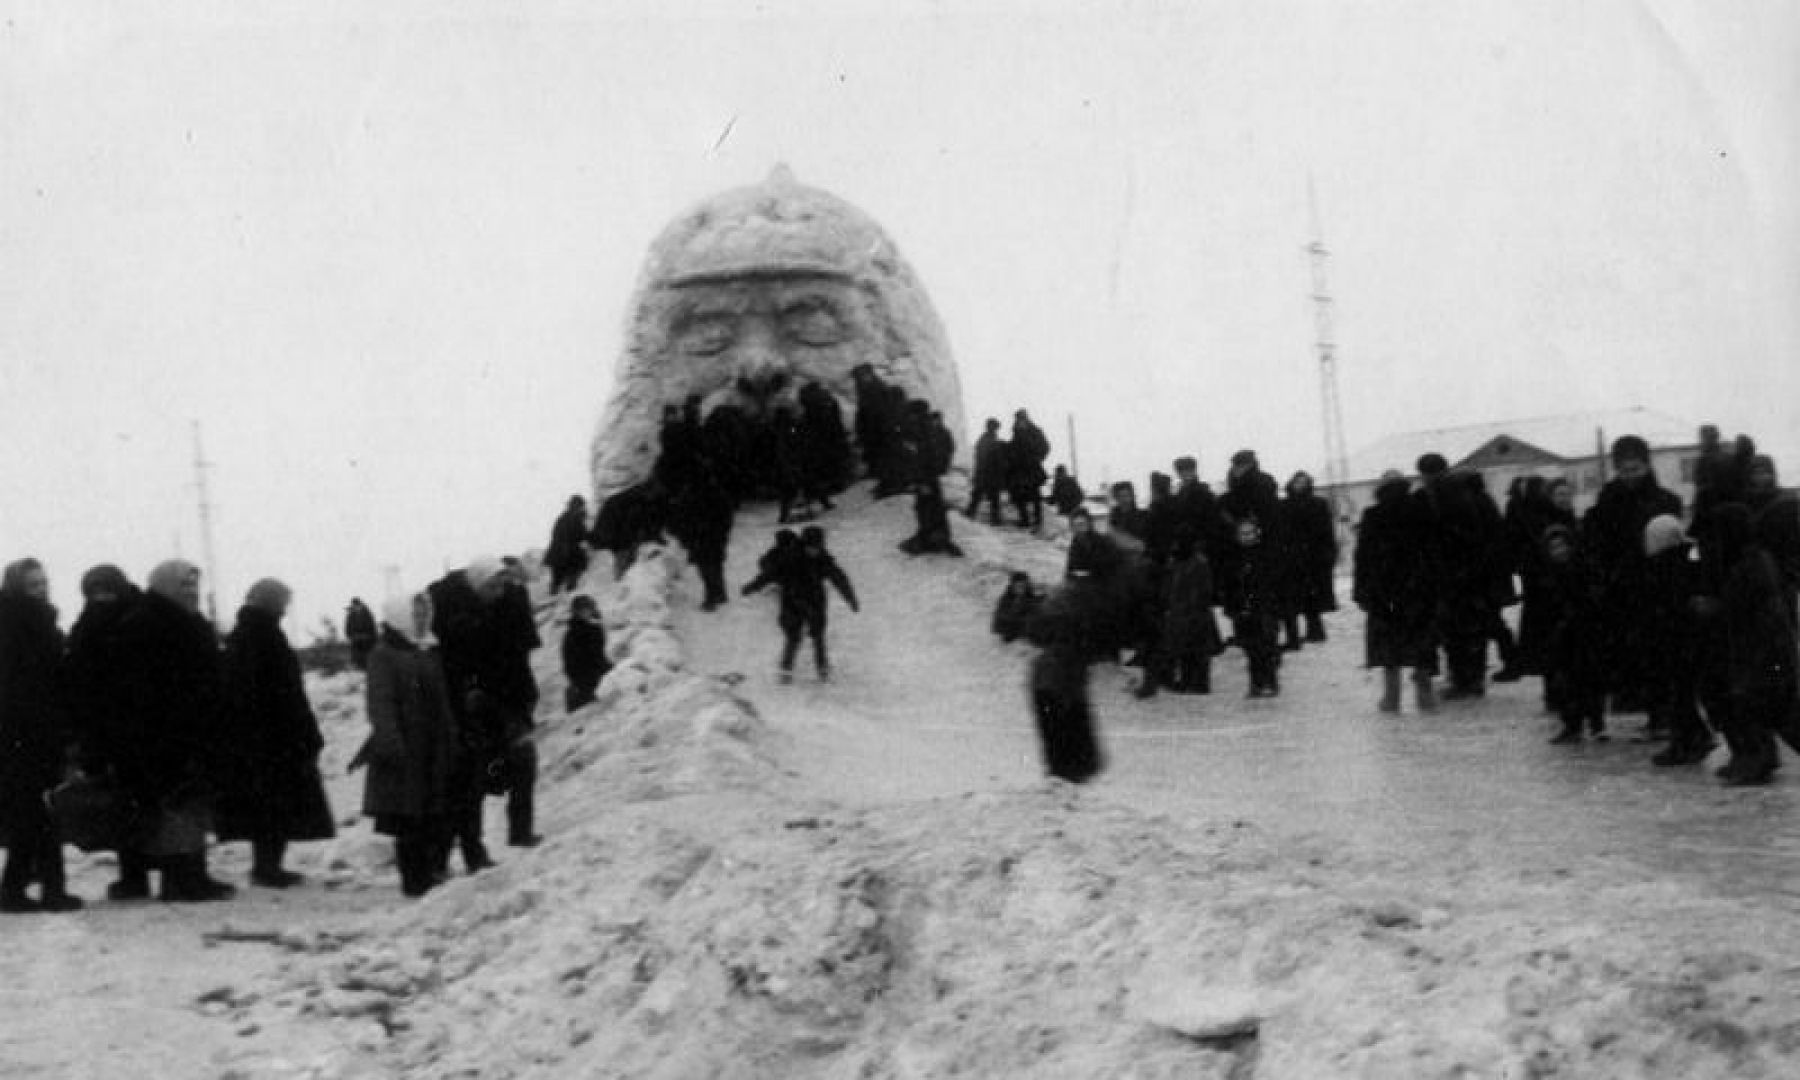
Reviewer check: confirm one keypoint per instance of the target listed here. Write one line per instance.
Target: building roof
(1569, 437)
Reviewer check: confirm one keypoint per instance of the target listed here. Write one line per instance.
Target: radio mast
(1337, 457)
(210, 571)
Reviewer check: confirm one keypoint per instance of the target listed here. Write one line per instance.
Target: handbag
(90, 812)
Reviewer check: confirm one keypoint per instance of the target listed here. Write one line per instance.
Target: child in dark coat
(800, 568)
(1190, 636)
(1251, 595)
(1017, 604)
(1576, 677)
(1063, 631)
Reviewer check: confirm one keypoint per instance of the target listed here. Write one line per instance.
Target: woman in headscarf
(166, 754)
(412, 745)
(34, 740)
(272, 791)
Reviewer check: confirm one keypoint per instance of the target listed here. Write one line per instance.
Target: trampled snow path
(925, 701)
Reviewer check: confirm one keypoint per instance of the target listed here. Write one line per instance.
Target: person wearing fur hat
(411, 789)
(1391, 587)
(272, 792)
(35, 741)
(166, 757)
(102, 710)
(1613, 533)
(1674, 641)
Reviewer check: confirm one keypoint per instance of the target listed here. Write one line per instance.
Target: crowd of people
(1625, 609)
(146, 733)
(1628, 608)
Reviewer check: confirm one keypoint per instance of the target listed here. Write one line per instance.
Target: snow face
(755, 292)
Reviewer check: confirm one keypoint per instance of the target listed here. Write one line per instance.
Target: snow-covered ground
(868, 878)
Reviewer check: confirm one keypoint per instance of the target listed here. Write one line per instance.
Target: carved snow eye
(708, 335)
(813, 322)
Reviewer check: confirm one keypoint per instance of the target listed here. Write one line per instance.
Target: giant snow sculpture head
(754, 293)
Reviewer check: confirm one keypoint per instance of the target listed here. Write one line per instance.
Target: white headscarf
(397, 615)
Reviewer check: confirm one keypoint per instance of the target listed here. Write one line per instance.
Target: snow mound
(695, 915)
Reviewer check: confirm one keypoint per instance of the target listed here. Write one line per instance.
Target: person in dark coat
(1750, 683)
(1310, 538)
(1017, 604)
(1127, 522)
(1529, 512)
(1672, 579)
(360, 631)
(800, 568)
(678, 458)
(1494, 585)
(272, 794)
(1197, 510)
(630, 517)
(1091, 552)
(1721, 475)
(166, 755)
(1775, 513)
(1391, 587)
(1457, 537)
(487, 632)
(1613, 532)
(931, 518)
(36, 740)
(989, 477)
(1190, 636)
(567, 555)
(937, 449)
(1058, 682)
(1251, 596)
(1025, 455)
(100, 702)
(1065, 492)
(1250, 495)
(584, 657)
(827, 462)
(873, 425)
(411, 790)
(700, 516)
(1576, 676)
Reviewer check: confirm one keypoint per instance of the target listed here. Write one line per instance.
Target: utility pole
(1337, 456)
(210, 571)
(1074, 465)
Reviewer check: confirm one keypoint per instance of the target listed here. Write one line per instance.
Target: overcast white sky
(383, 252)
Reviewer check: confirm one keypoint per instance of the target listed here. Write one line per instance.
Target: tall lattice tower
(1337, 456)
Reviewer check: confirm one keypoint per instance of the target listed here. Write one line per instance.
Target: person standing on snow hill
(990, 472)
(567, 555)
(359, 630)
(799, 568)
(410, 790)
(583, 653)
(272, 790)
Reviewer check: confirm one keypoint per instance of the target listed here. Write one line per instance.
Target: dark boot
(1422, 687)
(185, 881)
(134, 879)
(266, 869)
(1315, 628)
(1390, 690)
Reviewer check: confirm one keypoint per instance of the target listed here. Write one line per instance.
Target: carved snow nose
(760, 364)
